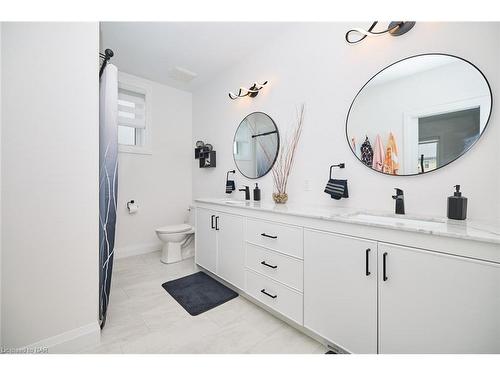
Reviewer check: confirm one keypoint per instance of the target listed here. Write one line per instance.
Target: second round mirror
(256, 144)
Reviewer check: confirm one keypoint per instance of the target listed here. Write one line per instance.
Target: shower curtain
(108, 181)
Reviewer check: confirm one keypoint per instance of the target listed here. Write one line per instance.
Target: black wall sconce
(251, 92)
(395, 28)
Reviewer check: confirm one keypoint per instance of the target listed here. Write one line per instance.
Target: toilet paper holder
(132, 206)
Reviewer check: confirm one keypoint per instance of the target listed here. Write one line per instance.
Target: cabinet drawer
(279, 237)
(289, 271)
(279, 297)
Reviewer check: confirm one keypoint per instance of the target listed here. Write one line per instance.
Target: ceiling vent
(182, 75)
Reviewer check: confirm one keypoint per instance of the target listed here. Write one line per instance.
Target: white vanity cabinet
(219, 244)
(231, 249)
(274, 266)
(412, 287)
(206, 239)
(431, 302)
(340, 290)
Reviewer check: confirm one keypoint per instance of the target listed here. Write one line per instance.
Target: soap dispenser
(457, 205)
(256, 193)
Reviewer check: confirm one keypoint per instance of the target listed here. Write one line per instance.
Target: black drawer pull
(216, 223)
(268, 236)
(367, 262)
(267, 294)
(212, 222)
(384, 266)
(268, 265)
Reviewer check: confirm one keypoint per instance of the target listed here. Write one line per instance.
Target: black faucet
(247, 192)
(400, 201)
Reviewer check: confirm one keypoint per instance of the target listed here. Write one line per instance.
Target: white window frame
(410, 124)
(136, 84)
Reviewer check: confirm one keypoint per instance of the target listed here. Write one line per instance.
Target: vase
(280, 198)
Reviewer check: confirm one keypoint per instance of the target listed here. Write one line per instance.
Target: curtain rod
(106, 56)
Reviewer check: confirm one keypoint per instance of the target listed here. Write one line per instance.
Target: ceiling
(153, 49)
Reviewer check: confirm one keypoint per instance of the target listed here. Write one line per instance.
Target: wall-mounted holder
(341, 166)
(230, 185)
(336, 188)
(206, 155)
(132, 207)
(252, 92)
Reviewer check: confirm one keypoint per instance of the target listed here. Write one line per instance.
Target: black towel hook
(341, 165)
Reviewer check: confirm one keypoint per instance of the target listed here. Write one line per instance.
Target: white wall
(160, 183)
(313, 64)
(50, 182)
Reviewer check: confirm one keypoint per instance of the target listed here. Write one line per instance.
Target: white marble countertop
(466, 229)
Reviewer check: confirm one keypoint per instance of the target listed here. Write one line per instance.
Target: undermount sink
(397, 220)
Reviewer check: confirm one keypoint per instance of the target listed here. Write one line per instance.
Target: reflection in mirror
(256, 145)
(419, 114)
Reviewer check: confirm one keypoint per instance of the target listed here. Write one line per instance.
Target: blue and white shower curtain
(108, 181)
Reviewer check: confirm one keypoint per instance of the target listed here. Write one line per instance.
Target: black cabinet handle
(367, 262)
(268, 235)
(216, 223)
(267, 294)
(384, 266)
(212, 222)
(268, 265)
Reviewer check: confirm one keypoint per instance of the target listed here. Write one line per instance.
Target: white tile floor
(144, 318)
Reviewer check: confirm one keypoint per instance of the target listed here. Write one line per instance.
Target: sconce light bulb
(395, 28)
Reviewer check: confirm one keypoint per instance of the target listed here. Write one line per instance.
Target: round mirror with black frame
(419, 114)
(255, 145)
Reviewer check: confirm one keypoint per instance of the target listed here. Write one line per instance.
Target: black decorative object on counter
(205, 154)
(256, 193)
(457, 205)
(399, 198)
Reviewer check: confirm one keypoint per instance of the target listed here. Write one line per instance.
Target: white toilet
(174, 238)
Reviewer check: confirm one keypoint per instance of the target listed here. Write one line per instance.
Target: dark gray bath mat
(198, 292)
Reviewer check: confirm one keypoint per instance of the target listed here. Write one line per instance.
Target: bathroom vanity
(361, 282)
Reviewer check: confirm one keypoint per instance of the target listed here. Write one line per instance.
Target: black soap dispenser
(256, 193)
(457, 205)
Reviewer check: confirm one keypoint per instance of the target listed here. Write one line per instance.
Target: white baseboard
(128, 251)
(71, 341)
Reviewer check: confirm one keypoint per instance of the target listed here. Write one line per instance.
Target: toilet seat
(171, 229)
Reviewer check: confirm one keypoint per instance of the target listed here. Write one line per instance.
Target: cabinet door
(437, 303)
(206, 240)
(340, 290)
(231, 250)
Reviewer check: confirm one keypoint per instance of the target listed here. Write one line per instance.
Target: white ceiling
(152, 49)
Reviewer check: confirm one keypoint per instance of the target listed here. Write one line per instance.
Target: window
(134, 125)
